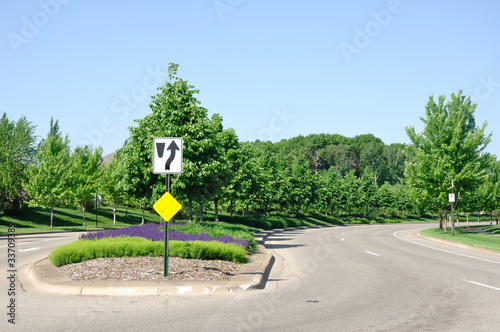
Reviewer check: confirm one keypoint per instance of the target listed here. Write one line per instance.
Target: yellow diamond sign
(167, 206)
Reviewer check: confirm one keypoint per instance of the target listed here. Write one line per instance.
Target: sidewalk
(44, 277)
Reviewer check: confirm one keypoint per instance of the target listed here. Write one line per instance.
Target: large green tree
(449, 150)
(16, 153)
(109, 183)
(177, 113)
(83, 176)
(48, 175)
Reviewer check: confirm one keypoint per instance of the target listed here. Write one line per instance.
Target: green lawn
(462, 236)
(66, 219)
(492, 229)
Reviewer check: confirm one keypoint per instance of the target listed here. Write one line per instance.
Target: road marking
(342, 239)
(479, 284)
(30, 249)
(447, 251)
(372, 253)
(18, 244)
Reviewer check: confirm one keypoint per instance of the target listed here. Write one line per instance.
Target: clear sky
(272, 69)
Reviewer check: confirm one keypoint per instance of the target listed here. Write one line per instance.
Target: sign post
(451, 198)
(167, 159)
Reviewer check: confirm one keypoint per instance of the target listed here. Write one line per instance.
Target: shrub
(194, 232)
(82, 250)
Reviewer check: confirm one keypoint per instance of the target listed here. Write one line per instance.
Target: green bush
(218, 229)
(82, 250)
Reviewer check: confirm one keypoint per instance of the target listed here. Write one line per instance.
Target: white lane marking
(447, 251)
(30, 249)
(18, 244)
(480, 284)
(372, 253)
(342, 239)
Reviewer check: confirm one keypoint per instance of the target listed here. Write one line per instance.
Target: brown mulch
(150, 268)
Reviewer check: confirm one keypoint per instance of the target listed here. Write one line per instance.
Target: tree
(16, 153)
(84, 173)
(48, 175)
(350, 191)
(449, 150)
(372, 157)
(341, 156)
(367, 191)
(302, 184)
(395, 158)
(176, 113)
(108, 184)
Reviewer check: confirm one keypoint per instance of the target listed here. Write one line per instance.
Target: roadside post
(167, 159)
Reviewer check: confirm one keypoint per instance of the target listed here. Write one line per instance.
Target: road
(355, 278)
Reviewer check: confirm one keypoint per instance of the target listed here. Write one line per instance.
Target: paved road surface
(355, 278)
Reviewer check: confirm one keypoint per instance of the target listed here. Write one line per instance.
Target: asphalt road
(356, 278)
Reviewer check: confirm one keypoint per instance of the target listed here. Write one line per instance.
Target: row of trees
(47, 174)
(323, 173)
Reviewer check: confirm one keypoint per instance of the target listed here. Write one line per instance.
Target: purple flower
(155, 232)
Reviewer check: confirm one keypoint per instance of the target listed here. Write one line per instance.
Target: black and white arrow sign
(167, 155)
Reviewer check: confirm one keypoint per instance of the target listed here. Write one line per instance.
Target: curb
(47, 278)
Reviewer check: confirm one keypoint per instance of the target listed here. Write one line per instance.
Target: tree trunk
(467, 219)
(83, 210)
(440, 219)
(114, 215)
(491, 220)
(190, 211)
(231, 207)
(126, 211)
(143, 208)
(445, 220)
(247, 210)
(216, 208)
(201, 213)
(51, 216)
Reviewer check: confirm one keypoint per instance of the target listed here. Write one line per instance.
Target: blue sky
(272, 69)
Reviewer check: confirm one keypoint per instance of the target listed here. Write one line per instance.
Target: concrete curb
(47, 278)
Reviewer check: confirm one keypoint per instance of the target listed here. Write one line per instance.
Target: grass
(67, 219)
(462, 236)
(492, 229)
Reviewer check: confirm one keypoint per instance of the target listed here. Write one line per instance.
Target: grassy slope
(67, 219)
(462, 236)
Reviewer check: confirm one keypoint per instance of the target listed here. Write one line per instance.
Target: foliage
(176, 113)
(16, 153)
(83, 175)
(81, 250)
(109, 183)
(156, 232)
(48, 175)
(449, 150)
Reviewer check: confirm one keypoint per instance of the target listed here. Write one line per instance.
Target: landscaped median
(148, 240)
(46, 278)
(467, 235)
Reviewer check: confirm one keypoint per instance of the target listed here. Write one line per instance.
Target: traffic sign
(167, 206)
(167, 155)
